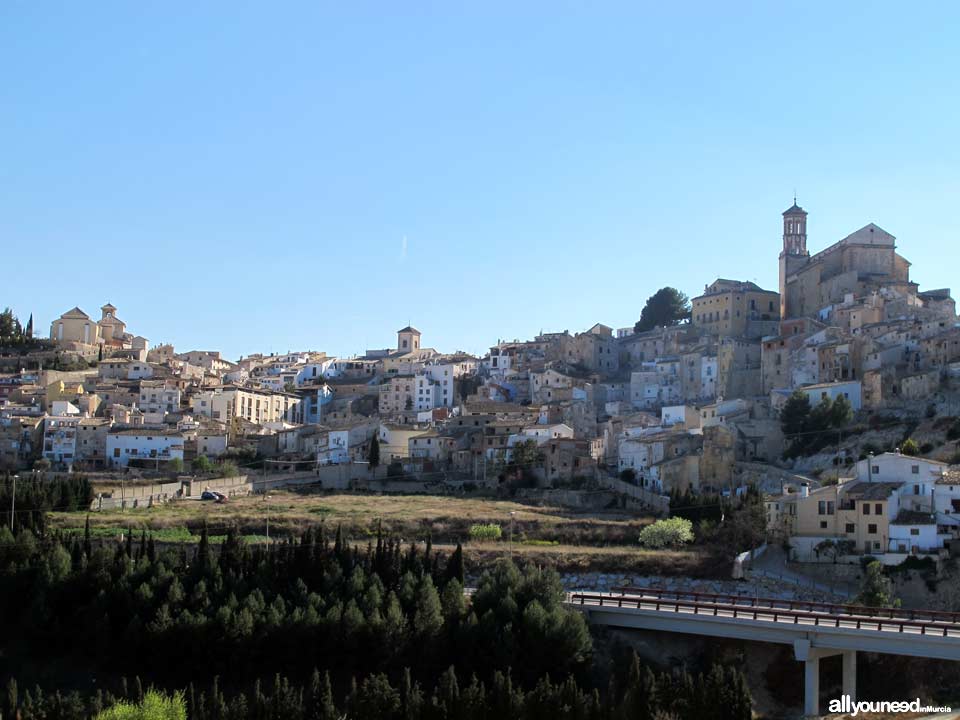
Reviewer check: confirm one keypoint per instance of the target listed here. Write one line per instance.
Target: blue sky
(241, 176)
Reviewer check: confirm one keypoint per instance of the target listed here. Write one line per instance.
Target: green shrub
(228, 468)
(481, 532)
(155, 706)
(671, 532)
(910, 448)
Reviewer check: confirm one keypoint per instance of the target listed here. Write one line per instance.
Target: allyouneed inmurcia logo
(845, 704)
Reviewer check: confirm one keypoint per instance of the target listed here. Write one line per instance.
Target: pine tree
(373, 454)
(428, 614)
(639, 700)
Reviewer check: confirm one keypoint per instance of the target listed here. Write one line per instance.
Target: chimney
(804, 490)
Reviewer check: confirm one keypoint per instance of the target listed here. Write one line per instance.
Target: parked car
(215, 496)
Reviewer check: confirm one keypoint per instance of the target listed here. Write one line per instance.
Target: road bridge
(815, 630)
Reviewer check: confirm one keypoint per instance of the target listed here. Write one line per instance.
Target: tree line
(381, 623)
(35, 497)
(721, 694)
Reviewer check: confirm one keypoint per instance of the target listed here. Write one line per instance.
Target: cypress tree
(87, 545)
(11, 699)
(203, 551)
(454, 569)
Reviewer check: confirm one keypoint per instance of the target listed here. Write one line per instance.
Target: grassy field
(560, 537)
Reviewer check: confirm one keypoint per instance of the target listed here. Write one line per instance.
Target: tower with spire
(794, 254)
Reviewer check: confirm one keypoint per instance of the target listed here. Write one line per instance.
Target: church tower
(794, 254)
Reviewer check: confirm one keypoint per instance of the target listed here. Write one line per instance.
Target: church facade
(860, 263)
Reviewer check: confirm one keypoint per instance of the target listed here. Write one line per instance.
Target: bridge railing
(777, 615)
(810, 605)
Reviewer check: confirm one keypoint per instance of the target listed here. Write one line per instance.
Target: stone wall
(656, 502)
(762, 587)
(579, 499)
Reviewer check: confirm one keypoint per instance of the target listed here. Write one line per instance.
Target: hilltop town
(737, 394)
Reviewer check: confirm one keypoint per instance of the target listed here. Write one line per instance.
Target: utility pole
(122, 503)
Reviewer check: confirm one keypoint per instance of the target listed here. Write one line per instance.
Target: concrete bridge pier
(850, 674)
(810, 657)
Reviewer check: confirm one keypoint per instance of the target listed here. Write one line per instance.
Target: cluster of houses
(890, 506)
(672, 409)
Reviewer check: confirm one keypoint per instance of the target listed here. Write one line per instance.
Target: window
(915, 469)
(851, 528)
(830, 507)
(876, 469)
(823, 524)
(872, 529)
(878, 509)
(914, 531)
(866, 508)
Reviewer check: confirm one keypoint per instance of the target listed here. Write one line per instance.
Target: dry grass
(569, 540)
(415, 515)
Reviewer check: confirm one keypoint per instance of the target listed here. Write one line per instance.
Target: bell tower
(794, 254)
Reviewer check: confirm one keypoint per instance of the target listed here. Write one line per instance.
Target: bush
(910, 448)
(926, 448)
(228, 468)
(155, 706)
(953, 432)
(201, 464)
(671, 532)
(481, 532)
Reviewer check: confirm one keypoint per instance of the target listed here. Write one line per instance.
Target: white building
(849, 389)
(708, 377)
(211, 443)
(159, 445)
(687, 415)
(60, 438)
(544, 433)
(426, 392)
(445, 375)
(254, 405)
(313, 372)
(718, 413)
(158, 397)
